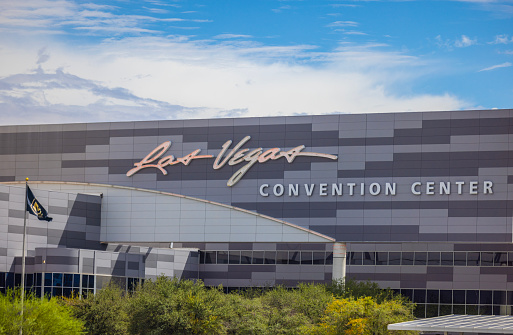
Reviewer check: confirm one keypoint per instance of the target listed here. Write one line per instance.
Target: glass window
(381, 258)
(245, 257)
(419, 296)
(394, 258)
(9, 280)
(473, 259)
(85, 281)
(270, 257)
(222, 257)
(458, 309)
(445, 297)
(487, 259)
(76, 280)
(500, 259)
(510, 258)
(485, 310)
(509, 297)
(282, 257)
(446, 258)
(91, 281)
(485, 298)
(355, 258)
(434, 258)
(57, 279)
(329, 258)
(48, 279)
(472, 297)
(210, 257)
(458, 296)
(234, 257)
(66, 292)
(318, 257)
(407, 258)
(472, 309)
(294, 257)
(420, 258)
(433, 296)
(38, 279)
(460, 258)
(29, 280)
(420, 311)
(68, 280)
(258, 257)
(408, 293)
(2, 279)
(57, 291)
(202, 257)
(431, 311)
(17, 279)
(499, 297)
(369, 258)
(306, 257)
(445, 310)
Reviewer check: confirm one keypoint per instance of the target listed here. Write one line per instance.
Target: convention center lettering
(236, 156)
(250, 157)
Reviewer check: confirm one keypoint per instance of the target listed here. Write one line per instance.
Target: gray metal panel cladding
(438, 150)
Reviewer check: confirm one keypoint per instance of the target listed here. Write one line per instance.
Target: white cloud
(498, 66)
(502, 39)
(465, 41)
(339, 24)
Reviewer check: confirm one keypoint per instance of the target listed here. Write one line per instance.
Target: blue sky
(78, 61)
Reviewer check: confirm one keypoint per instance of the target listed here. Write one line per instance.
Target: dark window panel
(68, 280)
(460, 258)
(369, 258)
(381, 258)
(458, 296)
(500, 259)
(355, 258)
(270, 257)
(420, 311)
(91, 281)
(419, 296)
(472, 297)
(420, 258)
(474, 259)
(48, 279)
(329, 258)
(431, 311)
(394, 258)
(445, 309)
(434, 258)
(246, 257)
(282, 257)
(485, 310)
(29, 280)
(433, 296)
(458, 309)
(446, 258)
(57, 291)
(487, 259)
(407, 258)
(210, 257)
(472, 309)
(499, 297)
(222, 257)
(258, 257)
(485, 297)
(38, 279)
(319, 257)
(445, 297)
(306, 257)
(408, 293)
(234, 257)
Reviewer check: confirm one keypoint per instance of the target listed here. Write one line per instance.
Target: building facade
(421, 201)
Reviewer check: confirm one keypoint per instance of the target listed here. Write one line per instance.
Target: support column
(339, 262)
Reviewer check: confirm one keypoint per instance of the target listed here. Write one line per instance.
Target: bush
(40, 316)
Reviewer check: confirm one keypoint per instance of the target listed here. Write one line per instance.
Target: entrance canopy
(495, 324)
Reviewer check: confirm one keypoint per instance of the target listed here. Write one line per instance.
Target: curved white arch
(132, 214)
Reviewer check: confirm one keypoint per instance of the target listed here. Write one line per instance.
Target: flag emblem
(34, 207)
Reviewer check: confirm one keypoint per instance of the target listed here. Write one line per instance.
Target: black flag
(35, 208)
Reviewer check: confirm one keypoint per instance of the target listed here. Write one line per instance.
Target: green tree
(40, 316)
(104, 312)
(176, 307)
(362, 316)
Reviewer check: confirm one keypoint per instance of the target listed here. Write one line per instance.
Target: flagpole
(23, 254)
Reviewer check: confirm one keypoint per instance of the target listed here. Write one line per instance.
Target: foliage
(104, 312)
(362, 316)
(41, 316)
(358, 289)
(170, 306)
(176, 307)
